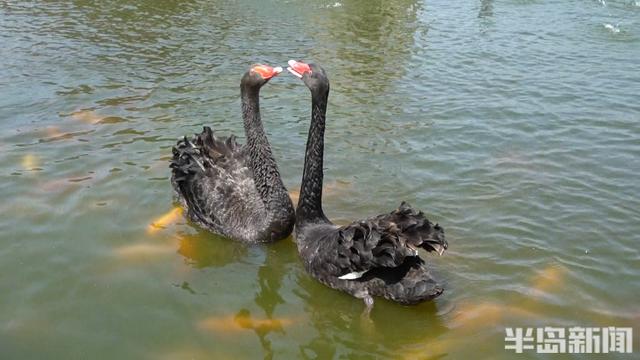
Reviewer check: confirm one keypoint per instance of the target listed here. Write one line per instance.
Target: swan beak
(298, 68)
(294, 73)
(266, 71)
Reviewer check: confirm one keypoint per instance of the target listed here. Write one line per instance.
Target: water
(514, 124)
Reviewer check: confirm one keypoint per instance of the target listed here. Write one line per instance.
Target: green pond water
(514, 124)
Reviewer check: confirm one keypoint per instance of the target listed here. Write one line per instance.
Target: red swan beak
(266, 71)
(298, 68)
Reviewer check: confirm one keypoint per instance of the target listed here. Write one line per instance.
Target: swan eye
(265, 71)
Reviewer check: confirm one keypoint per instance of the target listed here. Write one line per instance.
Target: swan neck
(260, 158)
(310, 203)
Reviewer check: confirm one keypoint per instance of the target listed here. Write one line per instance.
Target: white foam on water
(613, 28)
(334, 5)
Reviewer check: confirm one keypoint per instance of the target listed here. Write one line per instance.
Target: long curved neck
(265, 171)
(310, 203)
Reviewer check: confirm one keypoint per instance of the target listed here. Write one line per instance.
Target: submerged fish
(87, 116)
(164, 220)
(30, 162)
(548, 279)
(143, 250)
(243, 321)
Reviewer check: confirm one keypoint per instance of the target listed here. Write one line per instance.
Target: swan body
(377, 256)
(231, 189)
(374, 257)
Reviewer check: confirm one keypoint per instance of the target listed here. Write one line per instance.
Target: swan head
(260, 74)
(312, 75)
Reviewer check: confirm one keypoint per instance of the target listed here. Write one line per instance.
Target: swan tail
(202, 152)
(381, 255)
(363, 246)
(187, 159)
(384, 242)
(415, 229)
(375, 255)
(199, 166)
(217, 147)
(387, 240)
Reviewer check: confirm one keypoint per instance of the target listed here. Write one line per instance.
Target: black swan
(373, 257)
(230, 189)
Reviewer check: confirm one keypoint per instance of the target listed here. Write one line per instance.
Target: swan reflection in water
(204, 250)
(278, 262)
(344, 325)
(486, 8)
(485, 15)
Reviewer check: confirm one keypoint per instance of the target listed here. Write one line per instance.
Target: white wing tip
(352, 275)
